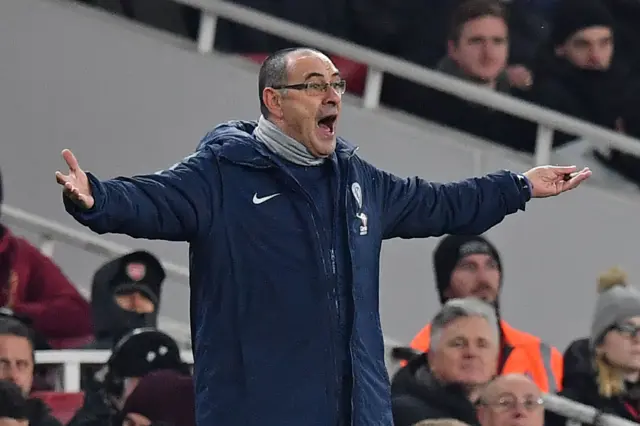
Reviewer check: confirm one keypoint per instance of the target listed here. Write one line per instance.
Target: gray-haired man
(445, 383)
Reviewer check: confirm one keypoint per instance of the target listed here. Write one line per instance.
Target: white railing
(379, 63)
(72, 360)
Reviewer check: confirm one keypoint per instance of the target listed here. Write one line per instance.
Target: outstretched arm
(173, 204)
(417, 208)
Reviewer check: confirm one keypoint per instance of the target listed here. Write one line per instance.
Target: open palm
(75, 183)
(548, 181)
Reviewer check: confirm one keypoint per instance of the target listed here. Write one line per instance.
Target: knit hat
(164, 396)
(451, 250)
(617, 302)
(572, 16)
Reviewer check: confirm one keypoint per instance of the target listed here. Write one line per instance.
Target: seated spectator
(125, 295)
(137, 354)
(470, 266)
(604, 370)
(477, 51)
(163, 397)
(33, 287)
(13, 405)
(511, 400)
(575, 72)
(16, 365)
(446, 382)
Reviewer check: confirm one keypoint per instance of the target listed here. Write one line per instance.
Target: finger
(563, 170)
(577, 179)
(61, 179)
(70, 159)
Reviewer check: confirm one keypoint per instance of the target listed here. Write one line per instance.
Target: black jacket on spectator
(450, 110)
(416, 395)
(580, 384)
(40, 414)
(591, 95)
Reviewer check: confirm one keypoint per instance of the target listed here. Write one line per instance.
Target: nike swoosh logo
(260, 200)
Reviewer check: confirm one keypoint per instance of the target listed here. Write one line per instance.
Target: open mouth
(328, 123)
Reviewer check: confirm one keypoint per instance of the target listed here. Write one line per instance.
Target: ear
(560, 51)
(273, 100)
(452, 49)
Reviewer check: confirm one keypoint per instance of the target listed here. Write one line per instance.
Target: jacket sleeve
(55, 307)
(170, 205)
(415, 208)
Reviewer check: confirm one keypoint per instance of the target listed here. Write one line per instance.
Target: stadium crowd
(468, 366)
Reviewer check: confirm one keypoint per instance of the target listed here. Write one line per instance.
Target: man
(470, 266)
(34, 288)
(477, 52)
(136, 355)
(577, 74)
(285, 224)
(16, 365)
(511, 400)
(125, 295)
(446, 382)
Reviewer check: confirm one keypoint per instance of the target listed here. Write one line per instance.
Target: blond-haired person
(611, 383)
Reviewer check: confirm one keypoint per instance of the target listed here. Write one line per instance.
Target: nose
(332, 97)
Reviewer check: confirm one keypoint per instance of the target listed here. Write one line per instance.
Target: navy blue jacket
(262, 308)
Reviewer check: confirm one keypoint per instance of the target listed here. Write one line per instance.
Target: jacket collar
(235, 142)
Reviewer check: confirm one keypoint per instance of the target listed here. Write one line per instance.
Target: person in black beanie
(576, 71)
(470, 266)
(137, 354)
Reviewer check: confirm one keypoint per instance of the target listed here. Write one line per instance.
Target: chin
(324, 148)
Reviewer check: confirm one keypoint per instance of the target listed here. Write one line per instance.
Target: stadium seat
(354, 72)
(63, 405)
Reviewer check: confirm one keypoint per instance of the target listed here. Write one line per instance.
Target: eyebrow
(317, 74)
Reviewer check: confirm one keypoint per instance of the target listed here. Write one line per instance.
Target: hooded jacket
(264, 311)
(111, 322)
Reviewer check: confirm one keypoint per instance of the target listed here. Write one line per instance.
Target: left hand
(548, 181)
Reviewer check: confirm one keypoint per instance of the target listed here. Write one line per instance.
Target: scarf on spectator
(283, 145)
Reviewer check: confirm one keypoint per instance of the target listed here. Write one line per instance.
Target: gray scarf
(283, 145)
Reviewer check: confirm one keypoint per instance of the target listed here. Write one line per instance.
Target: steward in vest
(469, 266)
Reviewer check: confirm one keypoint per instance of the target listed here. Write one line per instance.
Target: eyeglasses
(315, 88)
(628, 329)
(510, 402)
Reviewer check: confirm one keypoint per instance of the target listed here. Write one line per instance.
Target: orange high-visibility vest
(521, 353)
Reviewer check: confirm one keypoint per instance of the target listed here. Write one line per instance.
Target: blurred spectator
(470, 266)
(511, 400)
(32, 286)
(137, 354)
(16, 365)
(13, 405)
(162, 397)
(125, 295)
(477, 51)
(604, 370)
(445, 383)
(575, 72)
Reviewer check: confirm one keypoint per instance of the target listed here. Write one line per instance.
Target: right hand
(76, 184)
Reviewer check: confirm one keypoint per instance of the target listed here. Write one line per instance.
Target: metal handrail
(378, 63)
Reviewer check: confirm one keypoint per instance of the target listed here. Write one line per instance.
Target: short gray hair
(463, 308)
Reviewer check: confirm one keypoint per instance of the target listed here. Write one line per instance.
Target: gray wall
(130, 100)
